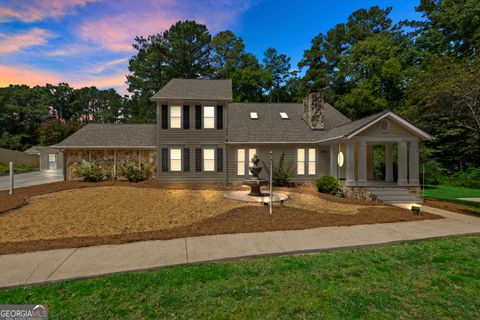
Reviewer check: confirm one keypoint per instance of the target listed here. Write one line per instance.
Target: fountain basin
(255, 186)
(265, 198)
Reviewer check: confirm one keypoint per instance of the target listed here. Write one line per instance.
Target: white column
(350, 160)
(402, 164)
(388, 163)
(362, 163)
(333, 161)
(413, 164)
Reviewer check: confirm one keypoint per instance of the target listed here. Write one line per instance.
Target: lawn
(451, 194)
(429, 279)
(118, 214)
(4, 167)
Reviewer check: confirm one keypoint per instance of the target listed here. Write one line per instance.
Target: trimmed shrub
(89, 172)
(134, 173)
(328, 184)
(281, 172)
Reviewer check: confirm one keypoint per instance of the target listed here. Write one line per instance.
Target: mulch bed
(238, 220)
(450, 206)
(21, 195)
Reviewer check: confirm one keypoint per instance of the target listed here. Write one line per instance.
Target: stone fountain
(255, 183)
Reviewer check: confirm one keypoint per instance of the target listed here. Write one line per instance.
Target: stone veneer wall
(105, 159)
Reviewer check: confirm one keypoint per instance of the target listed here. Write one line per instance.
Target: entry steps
(394, 195)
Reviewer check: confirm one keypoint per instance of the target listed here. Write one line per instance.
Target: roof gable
(111, 136)
(195, 89)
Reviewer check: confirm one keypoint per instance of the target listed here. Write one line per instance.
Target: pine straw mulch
(112, 213)
(453, 207)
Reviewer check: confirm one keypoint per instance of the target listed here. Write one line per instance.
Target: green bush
(89, 172)
(134, 174)
(467, 179)
(281, 172)
(328, 184)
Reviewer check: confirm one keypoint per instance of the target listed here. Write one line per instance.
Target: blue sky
(88, 42)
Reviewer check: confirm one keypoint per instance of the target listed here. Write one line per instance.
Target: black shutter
(186, 117)
(219, 117)
(198, 117)
(164, 159)
(164, 117)
(186, 159)
(219, 160)
(198, 160)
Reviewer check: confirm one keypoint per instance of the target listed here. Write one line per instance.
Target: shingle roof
(112, 135)
(350, 127)
(270, 127)
(195, 89)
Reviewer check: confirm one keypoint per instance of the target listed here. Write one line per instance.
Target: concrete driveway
(31, 179)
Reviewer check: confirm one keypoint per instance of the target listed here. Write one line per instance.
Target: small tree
(281, 172)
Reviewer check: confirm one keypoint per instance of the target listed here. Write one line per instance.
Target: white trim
(402, 121)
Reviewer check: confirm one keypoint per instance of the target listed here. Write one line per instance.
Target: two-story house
(201, 136)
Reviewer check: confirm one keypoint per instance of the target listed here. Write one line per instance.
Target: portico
(396, 136)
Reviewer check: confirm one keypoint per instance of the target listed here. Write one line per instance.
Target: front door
(52, 161)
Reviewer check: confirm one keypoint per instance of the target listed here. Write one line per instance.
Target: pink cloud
(37, 10)
(16, 42)
(143, 18)
(112, 63)
(32, 77)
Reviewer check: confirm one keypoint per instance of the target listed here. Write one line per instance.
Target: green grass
(16, 167)
(451, 194)
(430, 279)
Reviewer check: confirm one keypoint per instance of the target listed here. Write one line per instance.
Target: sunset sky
(88, 42)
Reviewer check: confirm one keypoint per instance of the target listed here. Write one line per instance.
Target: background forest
(427, 71)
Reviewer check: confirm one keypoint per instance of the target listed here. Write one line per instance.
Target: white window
(311, 160)
(209, 117)
(253, 115)
(208, 159)
(241, 162)
(300, 161)
(175, 159)
(284, 115)
(251, 153)
(175, 117)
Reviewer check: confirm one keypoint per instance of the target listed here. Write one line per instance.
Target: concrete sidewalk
(63, 264)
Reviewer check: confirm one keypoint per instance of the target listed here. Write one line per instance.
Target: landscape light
(416, 209)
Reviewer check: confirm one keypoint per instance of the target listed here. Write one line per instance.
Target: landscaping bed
(118, 213)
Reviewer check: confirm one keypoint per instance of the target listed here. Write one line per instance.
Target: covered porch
(352, 162)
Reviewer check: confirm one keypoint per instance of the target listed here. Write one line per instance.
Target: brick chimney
(313, 112)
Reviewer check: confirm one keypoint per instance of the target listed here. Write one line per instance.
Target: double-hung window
(300, 161)
(208, 159)
(209, 117)
(175, 159)
(175, 117)
(251, 153)
(312, 161)
(241, 162)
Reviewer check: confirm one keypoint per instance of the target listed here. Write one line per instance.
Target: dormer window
(175, 117)
(209, 117)
(253, 115)
(284, 115)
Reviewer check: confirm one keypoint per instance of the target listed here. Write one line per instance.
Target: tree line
(427, 71)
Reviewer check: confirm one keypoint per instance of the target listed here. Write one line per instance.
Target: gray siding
(191, 176)
(263, 152)
(191, 138)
